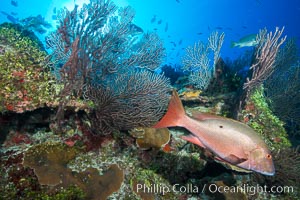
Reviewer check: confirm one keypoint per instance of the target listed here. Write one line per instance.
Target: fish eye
(269, 156)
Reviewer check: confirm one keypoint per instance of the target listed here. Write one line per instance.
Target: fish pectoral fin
(233, 159)
(193, 139)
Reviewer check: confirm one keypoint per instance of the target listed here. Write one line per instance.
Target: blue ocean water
(181, 23)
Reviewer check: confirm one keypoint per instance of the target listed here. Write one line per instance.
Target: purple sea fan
(134, 99)
(97, 47)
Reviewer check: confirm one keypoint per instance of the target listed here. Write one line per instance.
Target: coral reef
(221, 104)
(128, 159)
(287, 161)
(265, 57)
(105, 38)
(130, 100)
(100, 187)
(197, 62)
(100, 55)
(35, 23)
(186, 164)
(263, 63)
(26, 83)
(226, 79)
(147, 138)
(173, 73)
(100, 86)
(283, 86)
(257, 114)
(190, 95)
(179, 167)
(49, 162)
(148, 178)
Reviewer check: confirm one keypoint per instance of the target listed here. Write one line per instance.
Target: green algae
(265, 122)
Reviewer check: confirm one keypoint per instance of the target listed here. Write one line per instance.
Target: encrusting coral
(26, 83)
(100, 187)
(49, 161)
(147, 138)
(258, 115)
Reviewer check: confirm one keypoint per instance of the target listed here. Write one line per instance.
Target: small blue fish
(153, 19)
(10, 17)
(180, 42)
(4, 13)
(174, 44)
(166, 27)
(14, 3)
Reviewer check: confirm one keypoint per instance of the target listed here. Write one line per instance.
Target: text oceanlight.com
(212, 188)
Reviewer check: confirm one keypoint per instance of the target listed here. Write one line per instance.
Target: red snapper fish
(229, 140)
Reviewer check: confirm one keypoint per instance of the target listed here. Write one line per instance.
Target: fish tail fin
(233, 44)
(175, 113)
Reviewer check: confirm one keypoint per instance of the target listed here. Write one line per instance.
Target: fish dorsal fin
(175, 113)
(193, 139)
(204, 116)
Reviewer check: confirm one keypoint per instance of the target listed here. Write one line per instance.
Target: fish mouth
(271, 171)
(268, 172)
